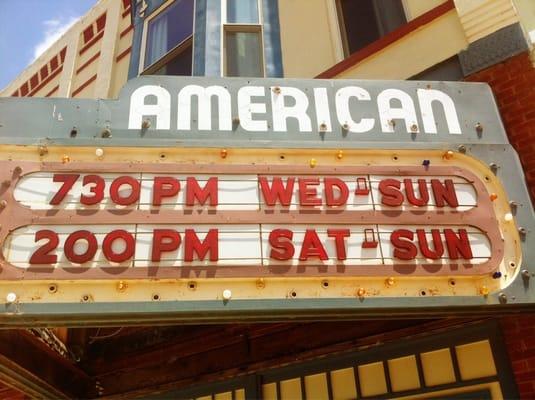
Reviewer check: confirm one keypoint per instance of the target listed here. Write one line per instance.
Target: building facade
(463, 40)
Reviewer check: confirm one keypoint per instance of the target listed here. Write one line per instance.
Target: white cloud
(53, 30)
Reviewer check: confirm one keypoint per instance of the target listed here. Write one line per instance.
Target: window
(243, 47)
(168, 48)
(364, 21)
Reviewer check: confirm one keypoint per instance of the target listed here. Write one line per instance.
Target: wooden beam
(30, 366)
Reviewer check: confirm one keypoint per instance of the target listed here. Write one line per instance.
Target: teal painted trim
(212, 45)
(199, 38)
(272, 39)
(162, 312)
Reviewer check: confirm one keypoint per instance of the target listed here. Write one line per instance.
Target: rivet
(236, 121)
(493, 167)
(145, 124)
(483, 290)
(155, 297)
(493, 196)
(508, 217)
(503, 298)
(414, 128)
(224, 153)
(227, 294)
(426, 163)
(514, 206)
(276, 90)
(99, 152)
(3, 204)
(121, 286)
(448, 155)
(65, 159)
(345, 127)
(522, 231)
(323, 127)
(361, 292)
(52, 288)
(525, 274)
(340, 154)
(390, 281)
(17, 170)
(42, 150)
(260, 283)
(461, 148)
(479, 128)
(11, 297)
(106, 133)
(85, 298)
(313, 162)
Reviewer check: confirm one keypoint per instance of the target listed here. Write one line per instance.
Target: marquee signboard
(277, 200)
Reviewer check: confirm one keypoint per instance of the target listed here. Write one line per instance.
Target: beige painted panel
(481, 18)
(526, 14)
(119, 76)
(403, 373)
(437, 367)
(414, 53)
(372, 379)
(87, 92)
(291, 389)
(269, 391)
(239, 394)
(343, 384)
(415, 8)
(316, 387)
(306, 37)
(475, 360)
(493, 387)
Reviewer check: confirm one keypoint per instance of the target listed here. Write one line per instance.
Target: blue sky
(27, 27)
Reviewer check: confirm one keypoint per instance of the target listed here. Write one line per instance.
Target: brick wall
(513, 83)
(519, 335)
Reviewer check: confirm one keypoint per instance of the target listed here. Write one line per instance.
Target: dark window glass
(178, 65)
(167, 30)
(364, 21)
(244, 54)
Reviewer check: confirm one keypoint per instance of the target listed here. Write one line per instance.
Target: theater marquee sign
(191, 199)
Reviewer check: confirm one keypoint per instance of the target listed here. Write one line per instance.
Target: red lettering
(458, 244)
(164, 186)
(97, 190)
(391, 195)
(339, 235)
(164, 240)
(422, 188)
(343, 191)
(277, 191)
(401, 239)
(281, 244)
(89, 253)
(444, 193)
(194, 191)
(424, 245)
(41, 255)
(126, 254)
(308, 196)
(68, 181)
(133, 197)
(193, 244)
(312, 247)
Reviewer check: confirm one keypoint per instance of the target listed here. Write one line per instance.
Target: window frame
(172, 53)
(241, 27)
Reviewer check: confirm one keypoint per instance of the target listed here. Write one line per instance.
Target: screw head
(121, 286)
(276, 90)
(227, 294)
(313, 162)
(414, 128)
(361, 292)
(503, 298)
(484, 291)
(479, 128)
(260, 283)
(65, 159)
(99, 152)
(145, 124)
(525, 274)
(323, 127)
(390, 281)
(340, 154)
(448, 155)
(462, 148)
(493, 196)
(3, 204)
(224, 153)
